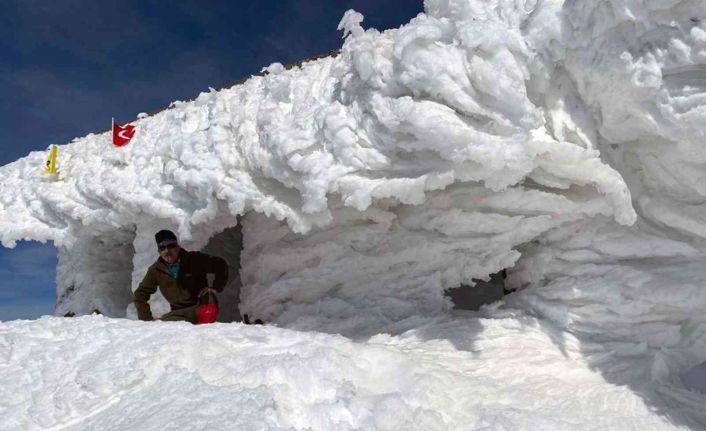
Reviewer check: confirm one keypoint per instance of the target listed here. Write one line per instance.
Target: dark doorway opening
(228, 245)
(467, 297)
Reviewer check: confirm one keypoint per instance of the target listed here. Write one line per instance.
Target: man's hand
(205, 290)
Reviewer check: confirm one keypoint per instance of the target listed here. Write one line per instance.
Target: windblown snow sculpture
(562, 141)
(479, 136)
(412, 162)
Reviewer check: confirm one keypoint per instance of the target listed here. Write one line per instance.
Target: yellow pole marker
(50, 167)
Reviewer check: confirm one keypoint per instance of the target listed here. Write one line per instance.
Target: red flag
(122, 134)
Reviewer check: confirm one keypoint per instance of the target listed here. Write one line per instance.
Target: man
(182, 278)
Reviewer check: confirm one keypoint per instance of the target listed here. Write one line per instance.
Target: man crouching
(182, 279)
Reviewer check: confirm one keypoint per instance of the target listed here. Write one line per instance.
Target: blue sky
(67, 67)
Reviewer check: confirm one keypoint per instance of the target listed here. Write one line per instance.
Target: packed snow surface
(462, 373)
(560, 141)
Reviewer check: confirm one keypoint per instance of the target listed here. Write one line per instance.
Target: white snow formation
(463, 373)
(558, 140)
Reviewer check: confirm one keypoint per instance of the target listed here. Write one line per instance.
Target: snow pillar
(94, 275)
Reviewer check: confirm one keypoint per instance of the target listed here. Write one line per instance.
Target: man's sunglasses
(168, 246)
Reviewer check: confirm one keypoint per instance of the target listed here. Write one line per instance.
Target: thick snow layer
(560, 141)
(462, 373)
(422, 135)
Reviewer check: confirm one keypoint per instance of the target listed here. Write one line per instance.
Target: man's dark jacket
(183, 291)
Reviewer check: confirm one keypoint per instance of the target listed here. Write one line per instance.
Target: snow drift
(108, 374)
(561, 141)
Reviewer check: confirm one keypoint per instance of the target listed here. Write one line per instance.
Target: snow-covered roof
(396, 115)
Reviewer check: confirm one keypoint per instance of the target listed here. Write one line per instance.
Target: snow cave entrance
(228, 245)
(467, 297)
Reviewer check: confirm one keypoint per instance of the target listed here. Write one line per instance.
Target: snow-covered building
(560, 141)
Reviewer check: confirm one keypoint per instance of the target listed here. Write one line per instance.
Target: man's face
(170, 253)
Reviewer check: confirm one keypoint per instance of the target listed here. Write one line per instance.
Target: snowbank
(465, 373)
